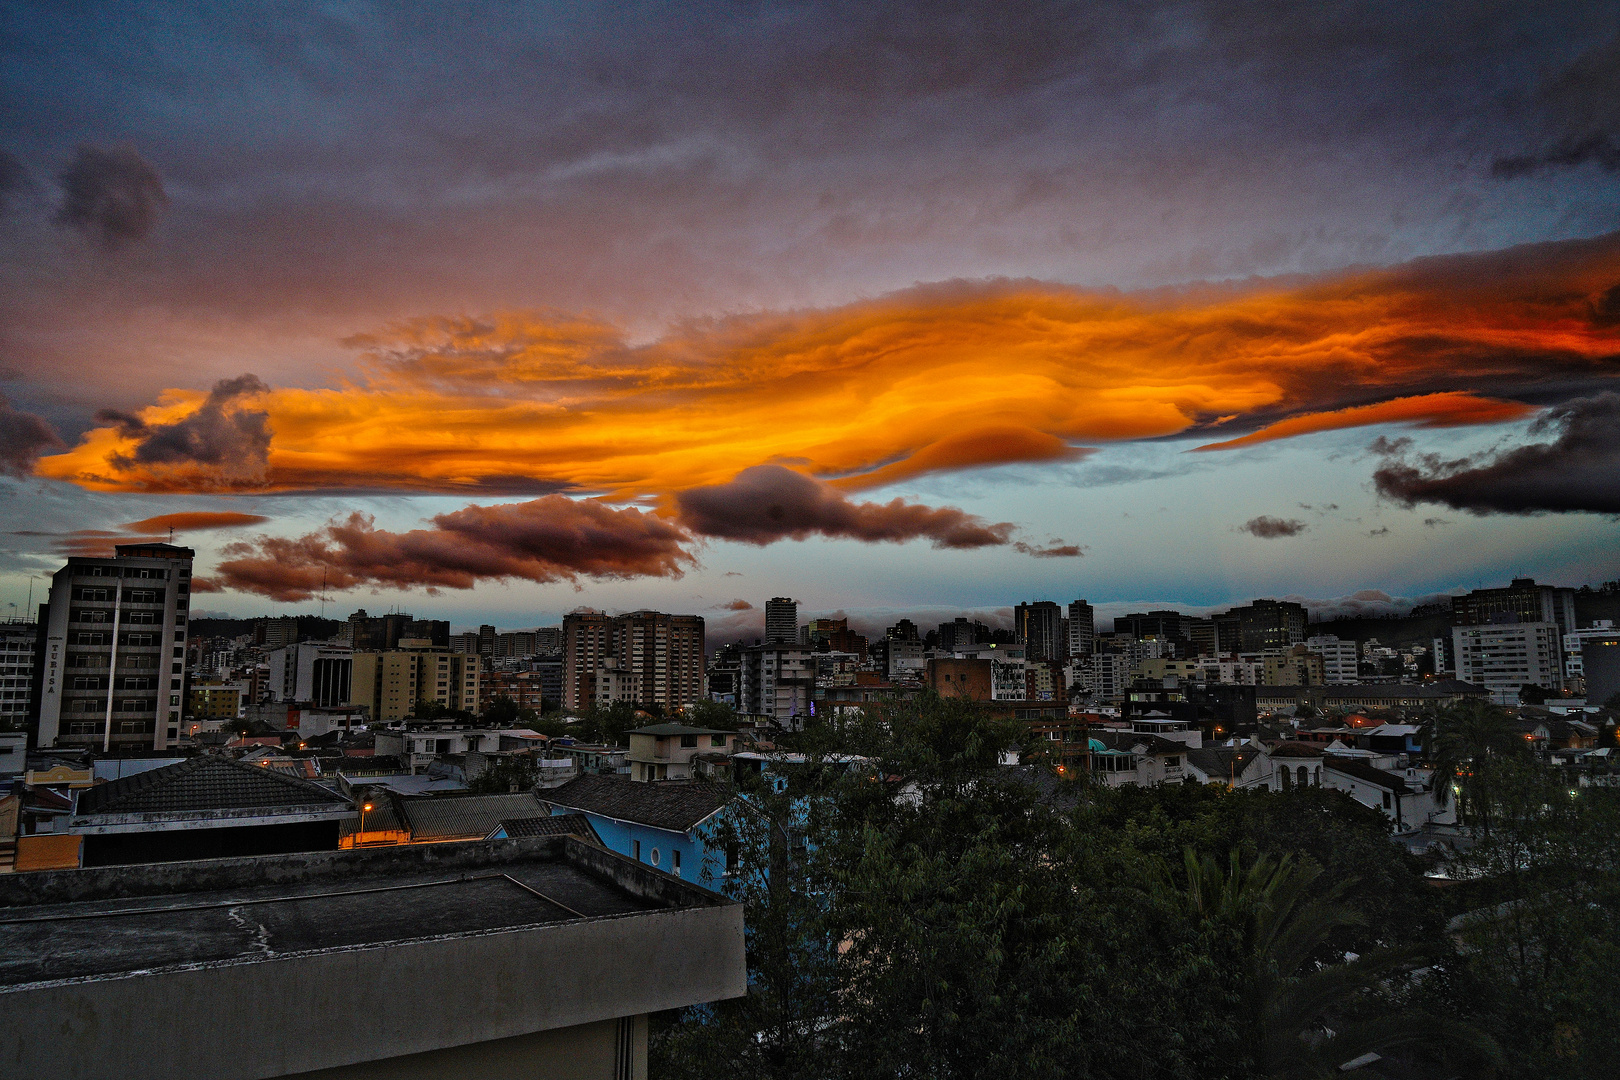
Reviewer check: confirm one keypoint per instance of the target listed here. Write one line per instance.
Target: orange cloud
(194, 520)
(1426, 410)
(939, 377)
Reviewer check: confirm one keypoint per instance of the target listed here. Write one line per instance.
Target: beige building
(666, 751)
(1297, 666)
(389, 684)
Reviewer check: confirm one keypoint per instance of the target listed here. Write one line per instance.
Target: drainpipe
(112, 663)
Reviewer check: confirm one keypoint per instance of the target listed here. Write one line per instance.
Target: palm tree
(1291, 999)
(1460, 740)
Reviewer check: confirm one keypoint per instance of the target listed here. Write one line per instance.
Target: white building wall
(1503, 657)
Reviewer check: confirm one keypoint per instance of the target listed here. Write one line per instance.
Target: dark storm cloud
(1581, 107)
(111, 194)
(23, 437)
(1577, 471)
(220, 434)
(1270, 528)
(767, 503)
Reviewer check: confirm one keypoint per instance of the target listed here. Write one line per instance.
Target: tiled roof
(464, 817)
(557, 825)
(1218, 761)
(1296, 750)
(676, 805)
(204, 783)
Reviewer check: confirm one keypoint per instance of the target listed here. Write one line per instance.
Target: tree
(608, 723)
(711, 714)
(1530, 694)
(1309, 1019)
(1460, 739)
(504, 712)
(509, 772)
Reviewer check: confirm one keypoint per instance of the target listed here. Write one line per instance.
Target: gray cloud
(111, 195)
(1581, 105)
(221, 433)
(1577, 471)
(23, 437)
(1270, 528)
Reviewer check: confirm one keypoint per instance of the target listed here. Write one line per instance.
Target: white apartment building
(1082, 629)
(115, 653)
(778, 682)
(1505, 656)
(318, 673)
(1339, 659)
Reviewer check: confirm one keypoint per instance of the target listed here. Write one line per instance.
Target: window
(635, 846)
(655, 856)
(1172, 762)
(675, 861)
(714, 740)
(1388, 802)
(688, 741)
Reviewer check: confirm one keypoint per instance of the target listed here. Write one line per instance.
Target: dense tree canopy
(930, 913)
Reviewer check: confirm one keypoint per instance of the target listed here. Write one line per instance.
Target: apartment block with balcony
(669, 751)
(113, 664)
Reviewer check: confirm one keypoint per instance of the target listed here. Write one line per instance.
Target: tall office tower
(1523, 601)
(375, 632)
(1268, 624)
(19, 638)
(435, 630)
(1505, 656)
(1082, 629)
(316, 672)
(904, 630)
(1039, 626)
(486, 640)
(781, 620)
(1201, 636)
(1600, 662)
(113, 665)
(589, 639)
(548, 639)
(274, 633)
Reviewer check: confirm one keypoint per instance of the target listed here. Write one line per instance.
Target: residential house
(666, 751)
(666, 824)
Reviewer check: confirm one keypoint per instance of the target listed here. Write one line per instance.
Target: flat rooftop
(117, 936)
(112, 921)
(479, 940)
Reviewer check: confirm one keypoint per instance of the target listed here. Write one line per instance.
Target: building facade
(1039, 626)
(663, 655)
(1339, 658)
(18, 642)
(781, 620)
(319, 673)
(1505, 656)
(1082, 630)
(390, 684)
(777, 682)
(112, 669)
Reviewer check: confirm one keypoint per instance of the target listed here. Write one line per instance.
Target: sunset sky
(897, 309)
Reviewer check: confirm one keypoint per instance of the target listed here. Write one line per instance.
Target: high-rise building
(1269, 624)
(1505, 656)
(662, 653)
(274, 633)
(1574, 640)
(390, 684)
(904, 630)
(378, 632)
(777, 681)
(19, 639)
(833, 634)
(1165, 625)
(112, 669)
(1339, 659)
(1600, 661)
(1039, 626)
(781, 620)
(1522, 601)
(319, 673)
(486, 640)
(1082, 629)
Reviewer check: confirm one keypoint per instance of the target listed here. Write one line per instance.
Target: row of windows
(146, 573)
(91, 705)
(133, 640)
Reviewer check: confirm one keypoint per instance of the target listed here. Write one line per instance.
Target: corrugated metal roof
(464, 817)
(556, 825)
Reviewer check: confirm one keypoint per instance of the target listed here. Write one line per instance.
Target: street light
(360, 836)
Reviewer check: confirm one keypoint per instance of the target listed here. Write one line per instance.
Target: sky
(492, 311)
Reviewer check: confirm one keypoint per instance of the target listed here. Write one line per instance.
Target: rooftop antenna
(29, 614)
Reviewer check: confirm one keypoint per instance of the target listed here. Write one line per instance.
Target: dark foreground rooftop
(495, 933)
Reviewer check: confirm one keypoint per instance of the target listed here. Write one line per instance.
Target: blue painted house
(668, 825)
